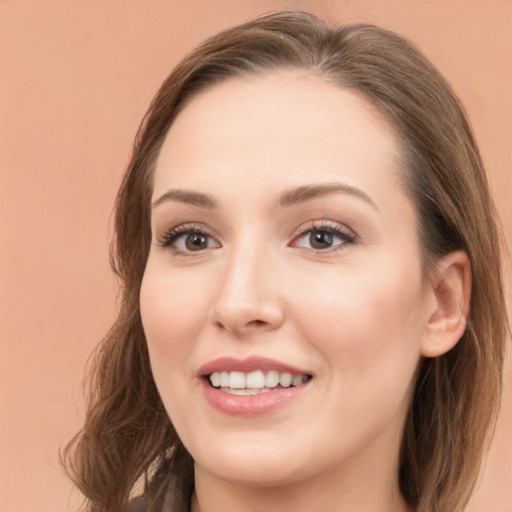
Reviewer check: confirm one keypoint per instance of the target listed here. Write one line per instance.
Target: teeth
(297, 380)
(215, 379)
(224, 379)
(240, 383)
(271, 379)
(255, 380)
(285, 379)
(237, 380)
(247, 391)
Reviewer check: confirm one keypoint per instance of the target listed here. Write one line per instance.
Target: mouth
(255, 382)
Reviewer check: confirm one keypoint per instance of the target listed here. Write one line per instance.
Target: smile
(254, 383)
(251, 386)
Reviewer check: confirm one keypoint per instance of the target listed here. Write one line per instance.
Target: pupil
(321, 239)
(196, 241)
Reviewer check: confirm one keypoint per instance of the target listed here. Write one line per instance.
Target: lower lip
(250, 405)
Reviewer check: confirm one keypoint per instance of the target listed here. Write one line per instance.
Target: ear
(451, 287)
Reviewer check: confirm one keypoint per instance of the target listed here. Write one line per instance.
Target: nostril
(239, 317)
(257, 322)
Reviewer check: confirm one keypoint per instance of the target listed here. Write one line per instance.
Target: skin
(357, 315)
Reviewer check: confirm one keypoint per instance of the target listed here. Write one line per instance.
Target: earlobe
(451, 287)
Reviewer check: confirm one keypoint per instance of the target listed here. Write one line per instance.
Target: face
(283, 299)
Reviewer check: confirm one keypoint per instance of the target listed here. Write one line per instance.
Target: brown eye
(324, 238)
(186, 240)
(320, 239)
(196, 241)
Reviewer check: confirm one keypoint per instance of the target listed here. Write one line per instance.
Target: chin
(256, 464)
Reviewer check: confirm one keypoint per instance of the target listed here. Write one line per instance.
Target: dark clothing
(171, 503)
(171, 487)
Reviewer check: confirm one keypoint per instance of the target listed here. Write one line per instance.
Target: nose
(248, 299)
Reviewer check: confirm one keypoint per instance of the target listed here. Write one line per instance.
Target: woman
(312, 311)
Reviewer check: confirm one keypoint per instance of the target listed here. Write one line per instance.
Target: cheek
(172, 306)
(367, 326)
(172, 312)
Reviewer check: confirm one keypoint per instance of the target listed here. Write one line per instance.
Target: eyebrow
(286, 199)
(187, 197)
(309, 192)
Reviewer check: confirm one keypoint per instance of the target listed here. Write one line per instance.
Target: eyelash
(346, 236)
(172, 235)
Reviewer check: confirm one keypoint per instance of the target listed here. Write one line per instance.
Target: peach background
(76, 78)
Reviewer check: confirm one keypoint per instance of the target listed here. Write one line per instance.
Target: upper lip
(248, 364)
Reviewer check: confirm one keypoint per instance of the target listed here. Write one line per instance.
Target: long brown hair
(127, 434)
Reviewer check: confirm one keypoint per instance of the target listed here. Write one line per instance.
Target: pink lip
(249, 364)
(248, 405)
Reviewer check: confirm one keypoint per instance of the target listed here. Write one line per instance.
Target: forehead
(275, 128)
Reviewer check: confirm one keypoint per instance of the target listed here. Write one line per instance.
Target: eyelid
(333, 227)
(169, 236)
